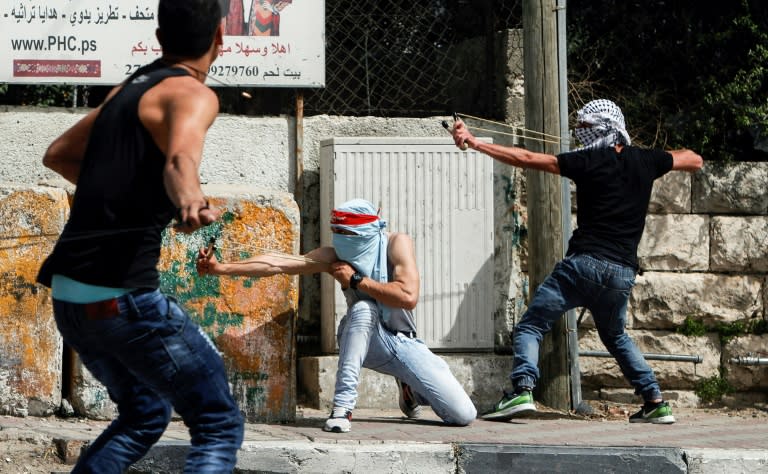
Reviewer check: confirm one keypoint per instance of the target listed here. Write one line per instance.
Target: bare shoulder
(400, 247)
(188, 89)
(400, 238)
(181, 92)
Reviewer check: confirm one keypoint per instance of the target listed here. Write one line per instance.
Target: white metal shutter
(443, 198)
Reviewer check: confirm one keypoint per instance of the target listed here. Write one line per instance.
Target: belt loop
(134, 310)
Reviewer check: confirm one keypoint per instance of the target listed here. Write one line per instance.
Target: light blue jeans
(364, 342)
(602, 287)
(151, 356)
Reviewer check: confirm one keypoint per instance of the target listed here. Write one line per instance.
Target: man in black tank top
(613, 188)
(135, 163)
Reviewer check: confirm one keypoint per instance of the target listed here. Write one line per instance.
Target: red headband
(350, 218)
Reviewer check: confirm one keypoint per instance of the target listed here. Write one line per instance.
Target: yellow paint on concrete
(251, 320)
(30, 346)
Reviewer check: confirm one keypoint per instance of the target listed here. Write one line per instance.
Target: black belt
(408, 334)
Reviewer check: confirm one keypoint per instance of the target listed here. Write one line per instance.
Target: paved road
(702, 441)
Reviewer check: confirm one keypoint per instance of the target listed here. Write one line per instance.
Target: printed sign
(267, 43)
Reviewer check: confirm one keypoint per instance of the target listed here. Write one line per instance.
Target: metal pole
(696, 359)
(570, 316)
(749, 360)
(298, 190)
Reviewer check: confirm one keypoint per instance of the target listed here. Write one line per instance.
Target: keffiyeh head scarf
(606, 125)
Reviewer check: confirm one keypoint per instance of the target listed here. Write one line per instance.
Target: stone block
(603, 372)
(751, 399)
(739, 244)
(31, 218)
(663, 300)
(676, 398)
(747, 377)
(671, 194)
(678, 242)
(69, 450)
(735, 188)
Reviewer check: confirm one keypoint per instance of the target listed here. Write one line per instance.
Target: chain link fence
(402, 58)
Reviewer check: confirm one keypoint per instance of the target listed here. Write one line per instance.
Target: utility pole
(545, 233)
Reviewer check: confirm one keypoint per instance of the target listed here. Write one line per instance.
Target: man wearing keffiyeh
(377, 272)
(613, 188)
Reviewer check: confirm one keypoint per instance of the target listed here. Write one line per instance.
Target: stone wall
(703, 258)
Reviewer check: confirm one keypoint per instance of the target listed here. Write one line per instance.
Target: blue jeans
(602, 287)
(365, 342)
(150, 356)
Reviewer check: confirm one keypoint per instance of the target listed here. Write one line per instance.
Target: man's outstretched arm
(686, 160)
(316, 261)
(509, 155)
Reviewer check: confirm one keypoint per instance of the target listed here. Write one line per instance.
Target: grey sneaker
(340, 421)
(407, 401)
(661, 414)
(511, 404)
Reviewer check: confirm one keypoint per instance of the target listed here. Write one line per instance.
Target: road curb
(492, 458)
(354, 456)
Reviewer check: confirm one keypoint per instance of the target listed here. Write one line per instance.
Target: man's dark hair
(187, 26)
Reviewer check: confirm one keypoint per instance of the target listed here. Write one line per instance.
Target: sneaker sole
(662, 420)
(416, 413)
(509, 412)
(335, 429)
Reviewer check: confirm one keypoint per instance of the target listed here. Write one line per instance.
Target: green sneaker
(662, 414)
(511, 404)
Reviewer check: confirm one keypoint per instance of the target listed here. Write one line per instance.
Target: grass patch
(726, 331)
(713, 389)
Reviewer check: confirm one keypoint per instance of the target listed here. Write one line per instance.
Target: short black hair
(187, 26)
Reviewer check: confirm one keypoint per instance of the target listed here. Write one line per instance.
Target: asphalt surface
(701, 441)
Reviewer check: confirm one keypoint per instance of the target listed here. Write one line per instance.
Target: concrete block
(250, 320)
(31, 218)
(716, 461)
(481, 375)
(299, 456)
(490, 459)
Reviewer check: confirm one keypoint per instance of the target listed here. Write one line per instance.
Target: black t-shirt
(612, 194)
(120, 207)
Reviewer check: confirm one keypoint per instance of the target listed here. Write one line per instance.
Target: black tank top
(120, 207)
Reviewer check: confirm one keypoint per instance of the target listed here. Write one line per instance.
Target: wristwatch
(355, 280)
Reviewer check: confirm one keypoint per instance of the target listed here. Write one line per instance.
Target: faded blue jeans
(150, 356)
(365, 342)
(602, 287)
